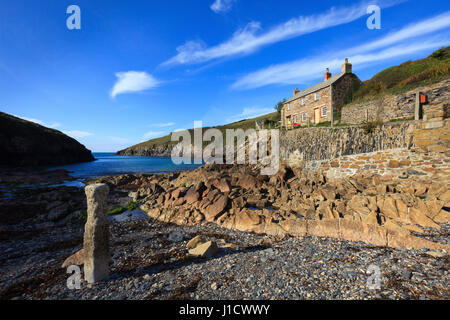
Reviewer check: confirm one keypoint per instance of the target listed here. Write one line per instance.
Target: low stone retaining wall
(399, 162)
(307, 144)
(428, 154)
(394, 106)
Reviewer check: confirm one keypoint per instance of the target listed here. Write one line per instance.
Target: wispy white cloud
(133, 81)
(153, 134)
(307, 69)
(220, 6)
(250, 112)
(42, 123)
(76, 134)
(162, 125)
(251, 38)
(413, 30)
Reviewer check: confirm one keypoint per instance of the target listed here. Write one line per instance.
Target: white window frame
(316, 96)
(304, 117)
(296, 118)
(321, 111)
(289, 106)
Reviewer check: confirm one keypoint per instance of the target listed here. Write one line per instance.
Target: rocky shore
(380, 210)
(152, 258)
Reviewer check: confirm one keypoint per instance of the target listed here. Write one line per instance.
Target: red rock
(248, 182)
(222, 185)
(75, 259)
(176, 193)
(247, 219)
(421, 219)
(217, 207)
(192, 195)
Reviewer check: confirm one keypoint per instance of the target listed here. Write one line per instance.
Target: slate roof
(317, 87)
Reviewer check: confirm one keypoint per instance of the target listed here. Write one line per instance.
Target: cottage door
(317, 115)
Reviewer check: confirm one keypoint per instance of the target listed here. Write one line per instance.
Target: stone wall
(400, 149)
(394, 106)
(307, 144)
(399, 162)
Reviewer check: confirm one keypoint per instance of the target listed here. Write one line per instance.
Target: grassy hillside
(164, 142)
(406, 76)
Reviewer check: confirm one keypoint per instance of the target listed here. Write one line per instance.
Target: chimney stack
(327, 74)
(296, 91)
(347, 67)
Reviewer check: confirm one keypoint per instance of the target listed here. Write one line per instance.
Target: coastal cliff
(25, 143)
(144, 151)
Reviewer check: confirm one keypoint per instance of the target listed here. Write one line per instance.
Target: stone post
(417, 111)
(96, 234)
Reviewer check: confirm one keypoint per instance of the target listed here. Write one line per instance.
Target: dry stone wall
(394, 106)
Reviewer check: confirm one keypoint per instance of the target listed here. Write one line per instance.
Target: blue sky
(141, 69)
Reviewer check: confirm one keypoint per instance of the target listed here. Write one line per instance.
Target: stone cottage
(317, 104)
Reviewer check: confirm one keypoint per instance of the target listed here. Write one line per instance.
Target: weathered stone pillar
(417, 111)
(96, 234)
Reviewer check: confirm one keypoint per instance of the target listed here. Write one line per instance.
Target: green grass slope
(406, 76)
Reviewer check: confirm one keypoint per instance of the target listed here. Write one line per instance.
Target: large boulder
(212, 211)
(205, 250)
(195, 242)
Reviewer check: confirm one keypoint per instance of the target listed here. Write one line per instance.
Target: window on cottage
(296, 119)
(289, 106)
(324, 111)
(316, 96)
(304, 116)
(303, 101)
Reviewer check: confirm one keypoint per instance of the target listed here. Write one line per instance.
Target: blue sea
(111, 164)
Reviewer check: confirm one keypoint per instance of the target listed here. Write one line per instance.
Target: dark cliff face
(25, 143)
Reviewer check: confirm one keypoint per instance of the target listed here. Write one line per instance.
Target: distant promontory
(25, 143)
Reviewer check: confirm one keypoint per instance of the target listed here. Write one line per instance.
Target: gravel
(150, 261)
